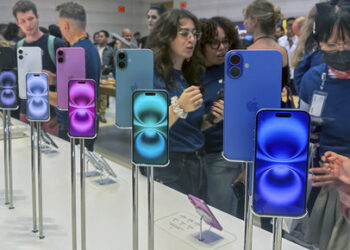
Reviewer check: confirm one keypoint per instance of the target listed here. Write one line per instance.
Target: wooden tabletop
(107, 87)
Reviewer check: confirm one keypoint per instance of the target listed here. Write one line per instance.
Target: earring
(188, 59)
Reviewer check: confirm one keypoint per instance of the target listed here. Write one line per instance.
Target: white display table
(108, 210)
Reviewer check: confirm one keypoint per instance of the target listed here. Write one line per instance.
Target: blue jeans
(220, 176)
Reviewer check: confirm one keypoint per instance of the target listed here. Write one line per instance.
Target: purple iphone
(82, 108)
(203, 210)
(70, 64)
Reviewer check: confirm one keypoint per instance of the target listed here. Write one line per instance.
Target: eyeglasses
(186, 32)
(336, 46)
(215, 44)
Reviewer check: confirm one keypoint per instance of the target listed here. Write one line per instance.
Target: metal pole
(248, 215)
(135, 208)
(40, 186)
(82, 194)
(9, 139)
(74, 193)
(201, 229)
(277, 233)
(4, 116)
(150, 188)
(32, 143)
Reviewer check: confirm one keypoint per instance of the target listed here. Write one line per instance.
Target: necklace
(265, 37)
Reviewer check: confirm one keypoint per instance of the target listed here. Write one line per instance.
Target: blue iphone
(252, 82)
(281, 157)
(150, 128)
(134, 70)
(8, 90)
(38, 105)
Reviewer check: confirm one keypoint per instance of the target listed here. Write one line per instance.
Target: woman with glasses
(179, 69)
(330, 81)
(219, 35)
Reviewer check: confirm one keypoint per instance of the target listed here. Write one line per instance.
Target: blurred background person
(137, 38)
(127, 35)
(279, 32)
(153, 15)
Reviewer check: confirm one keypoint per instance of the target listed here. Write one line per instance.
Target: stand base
(41, 237)
(92, 174)
(208, 237)
(7, 203)
(106, 181)
(35, 231)
(11, 207)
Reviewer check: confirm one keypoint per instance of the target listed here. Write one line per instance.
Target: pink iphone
(70, 64)
(203, 210)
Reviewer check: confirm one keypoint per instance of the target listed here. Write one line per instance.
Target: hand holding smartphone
(82, 108)
(203, 210)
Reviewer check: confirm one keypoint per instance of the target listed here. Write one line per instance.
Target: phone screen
(281, 156)
(38, 107)
(8, 90)
(81, 108)
(150, 127)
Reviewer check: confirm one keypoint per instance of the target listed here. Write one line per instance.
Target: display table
(108, 210)
(107, 87)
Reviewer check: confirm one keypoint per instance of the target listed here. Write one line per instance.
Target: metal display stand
(40, 188)
(135, 207)
(8, 158)
(248, 215)
(32, 143)
(150, 188)
(277, 233)
(74, 191)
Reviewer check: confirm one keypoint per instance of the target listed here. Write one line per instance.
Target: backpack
(50, 47)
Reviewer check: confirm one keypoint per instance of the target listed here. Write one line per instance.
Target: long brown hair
(163, 33)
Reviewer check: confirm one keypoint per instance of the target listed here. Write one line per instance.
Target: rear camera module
(235, 72)
(235, 59)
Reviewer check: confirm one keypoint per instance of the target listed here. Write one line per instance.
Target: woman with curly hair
(219, 35)
(179, 69)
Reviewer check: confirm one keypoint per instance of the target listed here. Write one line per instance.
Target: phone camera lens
(20, 57)
(121, 55)
(121, 65)
(60, 52)
(235, 72)
(20, 51)
(235, 59)
(60, 60)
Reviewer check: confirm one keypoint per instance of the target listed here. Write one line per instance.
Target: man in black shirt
(27, 19)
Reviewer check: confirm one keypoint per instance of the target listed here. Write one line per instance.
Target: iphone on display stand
(38, 104)
(150, 128)
(251, 83)
(134, 70)
(70, 65)
(29, 59)
(82, 108)
(281, 163)
(8, 90)
(206, 214)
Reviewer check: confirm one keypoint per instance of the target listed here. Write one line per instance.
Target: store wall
(101, 14)
(233, 8)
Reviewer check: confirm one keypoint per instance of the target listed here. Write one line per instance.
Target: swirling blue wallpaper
(150, 128)
(8, 90)
(81, 108)
(38, 108)
(281, 163)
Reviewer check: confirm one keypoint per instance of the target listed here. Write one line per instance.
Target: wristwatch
(176, 108)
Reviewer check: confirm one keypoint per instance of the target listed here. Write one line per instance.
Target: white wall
(101, 14)
(233, 8)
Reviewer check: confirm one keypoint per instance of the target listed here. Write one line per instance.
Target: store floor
(112, 142)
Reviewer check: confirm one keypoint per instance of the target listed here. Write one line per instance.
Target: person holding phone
(179, 70)
(329, 83)
(218, 37)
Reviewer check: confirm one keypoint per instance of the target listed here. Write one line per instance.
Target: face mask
(339, 60)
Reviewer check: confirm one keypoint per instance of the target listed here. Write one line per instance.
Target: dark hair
(24, 6)
(11, 32)
(73, 11)
(209, 31)
(159, 8)
(330, 16)
(137, 33)
(290, 19)
(280, 26)
(266, 14)
(105, 32)
(55, 30)
(163, 33)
